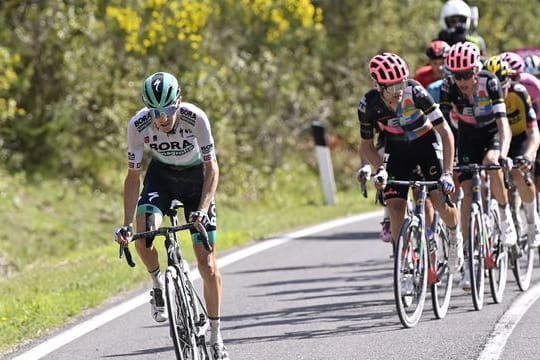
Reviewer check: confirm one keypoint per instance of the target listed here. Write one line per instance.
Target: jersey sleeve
(445, 100)
(135, 146)
(367, 126)
(203, 133)
(495, 93)
(528, 109)
(424, 102)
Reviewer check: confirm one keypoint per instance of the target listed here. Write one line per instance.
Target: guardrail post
(324, 160)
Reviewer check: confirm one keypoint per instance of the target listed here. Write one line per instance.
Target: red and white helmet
(463, 56)
(388, 68)
(515, 61)
(438, 49)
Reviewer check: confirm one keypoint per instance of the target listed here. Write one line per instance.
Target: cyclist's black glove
(201, 215)
(122, 234)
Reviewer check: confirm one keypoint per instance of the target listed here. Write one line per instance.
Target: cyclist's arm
(135, 142)
(203, 132)
(369, 152)
(495, 93)
(528, 111)
(367, 133)
(533, 140)
(505, 134)
(211, 178)
(424, 101)
(447, 138)
(132, 184)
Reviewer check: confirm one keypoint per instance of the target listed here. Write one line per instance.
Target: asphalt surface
(323, 296)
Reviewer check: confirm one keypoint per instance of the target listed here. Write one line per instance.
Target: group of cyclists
(461, 108)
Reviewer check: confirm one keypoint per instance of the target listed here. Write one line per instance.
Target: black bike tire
(476, 268)
(498, 274)
(523, 274)
(199, 314)
(179, 313)
(522, 270)
(409, 228)
(441, 293)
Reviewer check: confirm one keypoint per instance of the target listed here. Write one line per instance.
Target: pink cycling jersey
(532, 84)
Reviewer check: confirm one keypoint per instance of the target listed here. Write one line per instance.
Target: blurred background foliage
(71, 70)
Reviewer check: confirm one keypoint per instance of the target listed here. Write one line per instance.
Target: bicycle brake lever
(203, 235)
(125, 251)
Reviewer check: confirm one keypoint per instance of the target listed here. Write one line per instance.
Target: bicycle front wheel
(441, 288)
(496, 260)
(476, 256)
(522, 263)
(410, 273)
(180, 315)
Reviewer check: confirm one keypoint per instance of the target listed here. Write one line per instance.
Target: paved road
(322, 296)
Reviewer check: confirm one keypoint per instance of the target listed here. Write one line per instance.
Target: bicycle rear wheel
(476, 257)
(441, 291)
(410, 273)
(522, 263)
(180, 316)
(496, 261)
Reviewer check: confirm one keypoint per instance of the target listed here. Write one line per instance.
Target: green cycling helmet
(160, 90)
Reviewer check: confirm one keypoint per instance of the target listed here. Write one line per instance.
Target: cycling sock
(504, 210)
(156, 278)
(530, 209)
(215, 332)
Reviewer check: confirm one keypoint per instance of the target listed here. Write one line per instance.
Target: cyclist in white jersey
(183, 167)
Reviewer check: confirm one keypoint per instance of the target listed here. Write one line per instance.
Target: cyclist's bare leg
(466, 204)
(397, 208)
(448, 214)
(149, 256)
(496, 178)
(211, 277)
(527, 193)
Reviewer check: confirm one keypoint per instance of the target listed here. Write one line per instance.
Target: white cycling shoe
(509, 234)
(157, 305)
(533, 234)
(218, 351)
(455, 253)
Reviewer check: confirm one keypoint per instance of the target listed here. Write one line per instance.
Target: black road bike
(188, 318)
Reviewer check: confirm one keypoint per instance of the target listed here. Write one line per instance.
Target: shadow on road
(322, 300)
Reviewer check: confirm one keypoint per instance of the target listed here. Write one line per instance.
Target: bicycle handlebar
(427, 183)
(472, 168)
(164, 231)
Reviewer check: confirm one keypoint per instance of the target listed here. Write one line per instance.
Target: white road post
(324, 160)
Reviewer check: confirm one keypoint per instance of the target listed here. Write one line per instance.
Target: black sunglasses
(463, 75)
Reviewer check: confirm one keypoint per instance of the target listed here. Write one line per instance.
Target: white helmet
(456, 8)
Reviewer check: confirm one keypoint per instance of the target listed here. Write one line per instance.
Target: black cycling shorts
(403, 159)
(164, 183)
(474, 143)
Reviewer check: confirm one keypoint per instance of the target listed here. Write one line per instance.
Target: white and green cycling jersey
(189, 143)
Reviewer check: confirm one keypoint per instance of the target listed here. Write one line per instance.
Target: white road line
(93, 323)
(504, 327)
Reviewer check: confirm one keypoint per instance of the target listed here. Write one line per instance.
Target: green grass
(57, 241)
